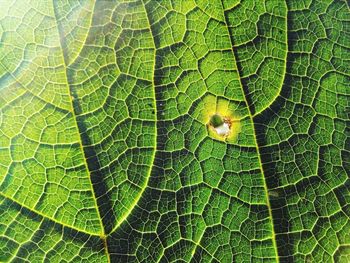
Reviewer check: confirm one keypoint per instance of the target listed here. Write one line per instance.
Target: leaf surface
(106, 149)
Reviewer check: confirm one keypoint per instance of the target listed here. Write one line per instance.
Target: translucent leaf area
(174, 131)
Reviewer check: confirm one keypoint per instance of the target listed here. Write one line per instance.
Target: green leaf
(109, 148)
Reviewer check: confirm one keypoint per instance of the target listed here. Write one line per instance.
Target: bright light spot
(223, 130)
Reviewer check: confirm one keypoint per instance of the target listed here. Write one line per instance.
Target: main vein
(255, 141)
(76, 123)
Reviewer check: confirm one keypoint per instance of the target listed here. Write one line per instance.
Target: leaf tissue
(174, 131)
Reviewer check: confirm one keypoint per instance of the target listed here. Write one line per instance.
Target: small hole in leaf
(221, 125)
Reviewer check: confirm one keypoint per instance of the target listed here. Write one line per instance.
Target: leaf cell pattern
(105, 151)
